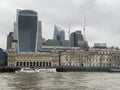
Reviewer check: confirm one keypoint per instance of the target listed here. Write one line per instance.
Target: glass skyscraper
(76, 38)
(39, 35)
(59, 34)
(27, 30)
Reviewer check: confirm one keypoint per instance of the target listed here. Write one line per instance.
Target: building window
(17, 64)
(49, 63)
(20, 63)
(24, 63)
(27, 63)
(33, 63)
(43, 63)
(46, 63)
(37, 63)
(40, 63)
(30, 63)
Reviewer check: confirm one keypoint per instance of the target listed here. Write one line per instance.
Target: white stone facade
(93, 57)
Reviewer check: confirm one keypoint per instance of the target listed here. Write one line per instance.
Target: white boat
(26, 70)
(37, 70)
(115, 70)
(46, 70)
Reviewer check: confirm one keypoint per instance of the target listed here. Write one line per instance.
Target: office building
(27, 30)
(15, 33)
(40, 40)
(3, 57)
(76, 38)
(9, 40)
(100, 45)
(64, 43)
(93, 57)
(59, 34)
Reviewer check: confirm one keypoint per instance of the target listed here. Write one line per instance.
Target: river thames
(60, 81)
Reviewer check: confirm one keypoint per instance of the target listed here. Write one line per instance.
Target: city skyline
(102, 18)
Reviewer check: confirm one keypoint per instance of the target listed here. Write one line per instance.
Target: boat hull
(114, 70)
(29, 70)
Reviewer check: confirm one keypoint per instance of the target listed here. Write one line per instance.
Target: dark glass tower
(76, 38)
(9, 40)
(27, 30)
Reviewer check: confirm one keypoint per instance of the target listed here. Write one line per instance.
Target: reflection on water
(60, 81)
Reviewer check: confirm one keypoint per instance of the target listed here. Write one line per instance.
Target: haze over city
(102, 18)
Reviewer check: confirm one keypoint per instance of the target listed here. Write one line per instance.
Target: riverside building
(31, 59)
(43, 59)
(93, 57)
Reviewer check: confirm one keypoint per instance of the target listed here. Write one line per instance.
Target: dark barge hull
(6, 69)
(83, 68)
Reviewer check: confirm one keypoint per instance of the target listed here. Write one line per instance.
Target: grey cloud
(102, 17)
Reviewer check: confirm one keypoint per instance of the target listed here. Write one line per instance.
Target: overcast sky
(102, 18)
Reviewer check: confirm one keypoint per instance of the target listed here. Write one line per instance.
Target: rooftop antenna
(69, 28)
(84, 24)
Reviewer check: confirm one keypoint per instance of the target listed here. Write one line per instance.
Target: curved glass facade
(27, 30)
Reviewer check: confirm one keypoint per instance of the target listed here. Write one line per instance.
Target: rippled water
(60, 81)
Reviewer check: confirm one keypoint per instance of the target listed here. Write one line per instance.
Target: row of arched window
(33, 64)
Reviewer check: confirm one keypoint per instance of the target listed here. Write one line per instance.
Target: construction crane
(84, 25)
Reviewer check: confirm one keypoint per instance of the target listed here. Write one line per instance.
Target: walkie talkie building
(27, 30)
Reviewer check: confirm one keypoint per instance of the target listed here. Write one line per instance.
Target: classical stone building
(93, 57)
(31, 59)
(75, 57)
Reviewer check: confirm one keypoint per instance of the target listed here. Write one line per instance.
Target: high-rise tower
(27, 30)
(39, 35)
(75, 38)
(59, 34)
(9, 40)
